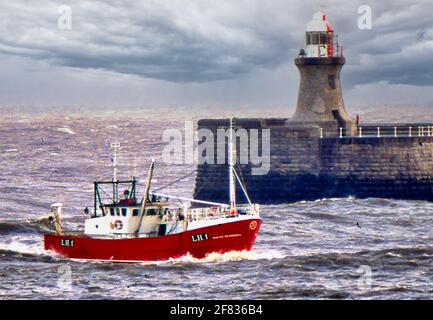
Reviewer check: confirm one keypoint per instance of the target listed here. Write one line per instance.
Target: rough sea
(345, 248)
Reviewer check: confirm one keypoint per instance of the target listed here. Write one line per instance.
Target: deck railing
(372, 131)
(198, 214)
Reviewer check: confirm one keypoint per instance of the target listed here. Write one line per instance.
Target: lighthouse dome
(319, 23)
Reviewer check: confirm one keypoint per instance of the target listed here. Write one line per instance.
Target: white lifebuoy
(212, 212)
(118, 225)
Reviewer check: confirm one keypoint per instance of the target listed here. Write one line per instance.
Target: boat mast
(146, 194)
(232, 185)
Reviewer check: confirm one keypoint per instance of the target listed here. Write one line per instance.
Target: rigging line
(109, 197)
(242, 187)
(171, 183)
(180, 201)
(242, 179)
(202, 186)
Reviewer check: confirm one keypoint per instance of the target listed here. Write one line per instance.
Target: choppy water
(305, 250)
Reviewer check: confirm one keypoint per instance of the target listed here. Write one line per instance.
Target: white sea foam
(231, 256)
(391, 254)
(66, 130)
(113, 126)
(19, 246)
(210, 258)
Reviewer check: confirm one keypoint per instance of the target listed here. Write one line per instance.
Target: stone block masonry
(304, 166)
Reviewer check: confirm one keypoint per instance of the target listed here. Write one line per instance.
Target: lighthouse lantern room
(320, 41)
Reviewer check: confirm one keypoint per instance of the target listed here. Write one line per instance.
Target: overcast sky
(206, 53)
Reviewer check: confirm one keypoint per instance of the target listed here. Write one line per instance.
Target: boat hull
(230, 236)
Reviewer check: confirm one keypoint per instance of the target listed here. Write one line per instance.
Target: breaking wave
(22, 247)
(26, 226)
(229, 256)
(23, 237)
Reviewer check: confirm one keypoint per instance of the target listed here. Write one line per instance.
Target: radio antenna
(114, 146)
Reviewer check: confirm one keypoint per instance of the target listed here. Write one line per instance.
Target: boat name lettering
(199, 237)
(67, 243)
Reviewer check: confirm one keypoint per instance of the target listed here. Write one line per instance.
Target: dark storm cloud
(194, 41)
(399, 47)
(170, 40)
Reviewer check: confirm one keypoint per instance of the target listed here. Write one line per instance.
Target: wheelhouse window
(124, 211)
(151, 212)
(112, 211)
(135, 212)
(117, 212)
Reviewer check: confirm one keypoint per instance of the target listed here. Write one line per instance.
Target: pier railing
(383, 130)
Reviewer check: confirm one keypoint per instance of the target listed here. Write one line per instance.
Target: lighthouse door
(340, 120)
(323, 52)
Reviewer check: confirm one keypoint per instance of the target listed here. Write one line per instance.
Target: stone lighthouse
(320, 100)
(303, 164)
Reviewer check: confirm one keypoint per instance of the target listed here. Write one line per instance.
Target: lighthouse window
(309, 38)
(124, 212)
(330, 38)
(315, 38)
(323, 38)
(331, 81)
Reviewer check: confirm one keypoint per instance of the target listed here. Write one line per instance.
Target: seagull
(357, 224)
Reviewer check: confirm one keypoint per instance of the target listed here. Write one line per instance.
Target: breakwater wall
(308, 163)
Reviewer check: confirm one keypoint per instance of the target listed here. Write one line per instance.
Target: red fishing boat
(129, 229)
